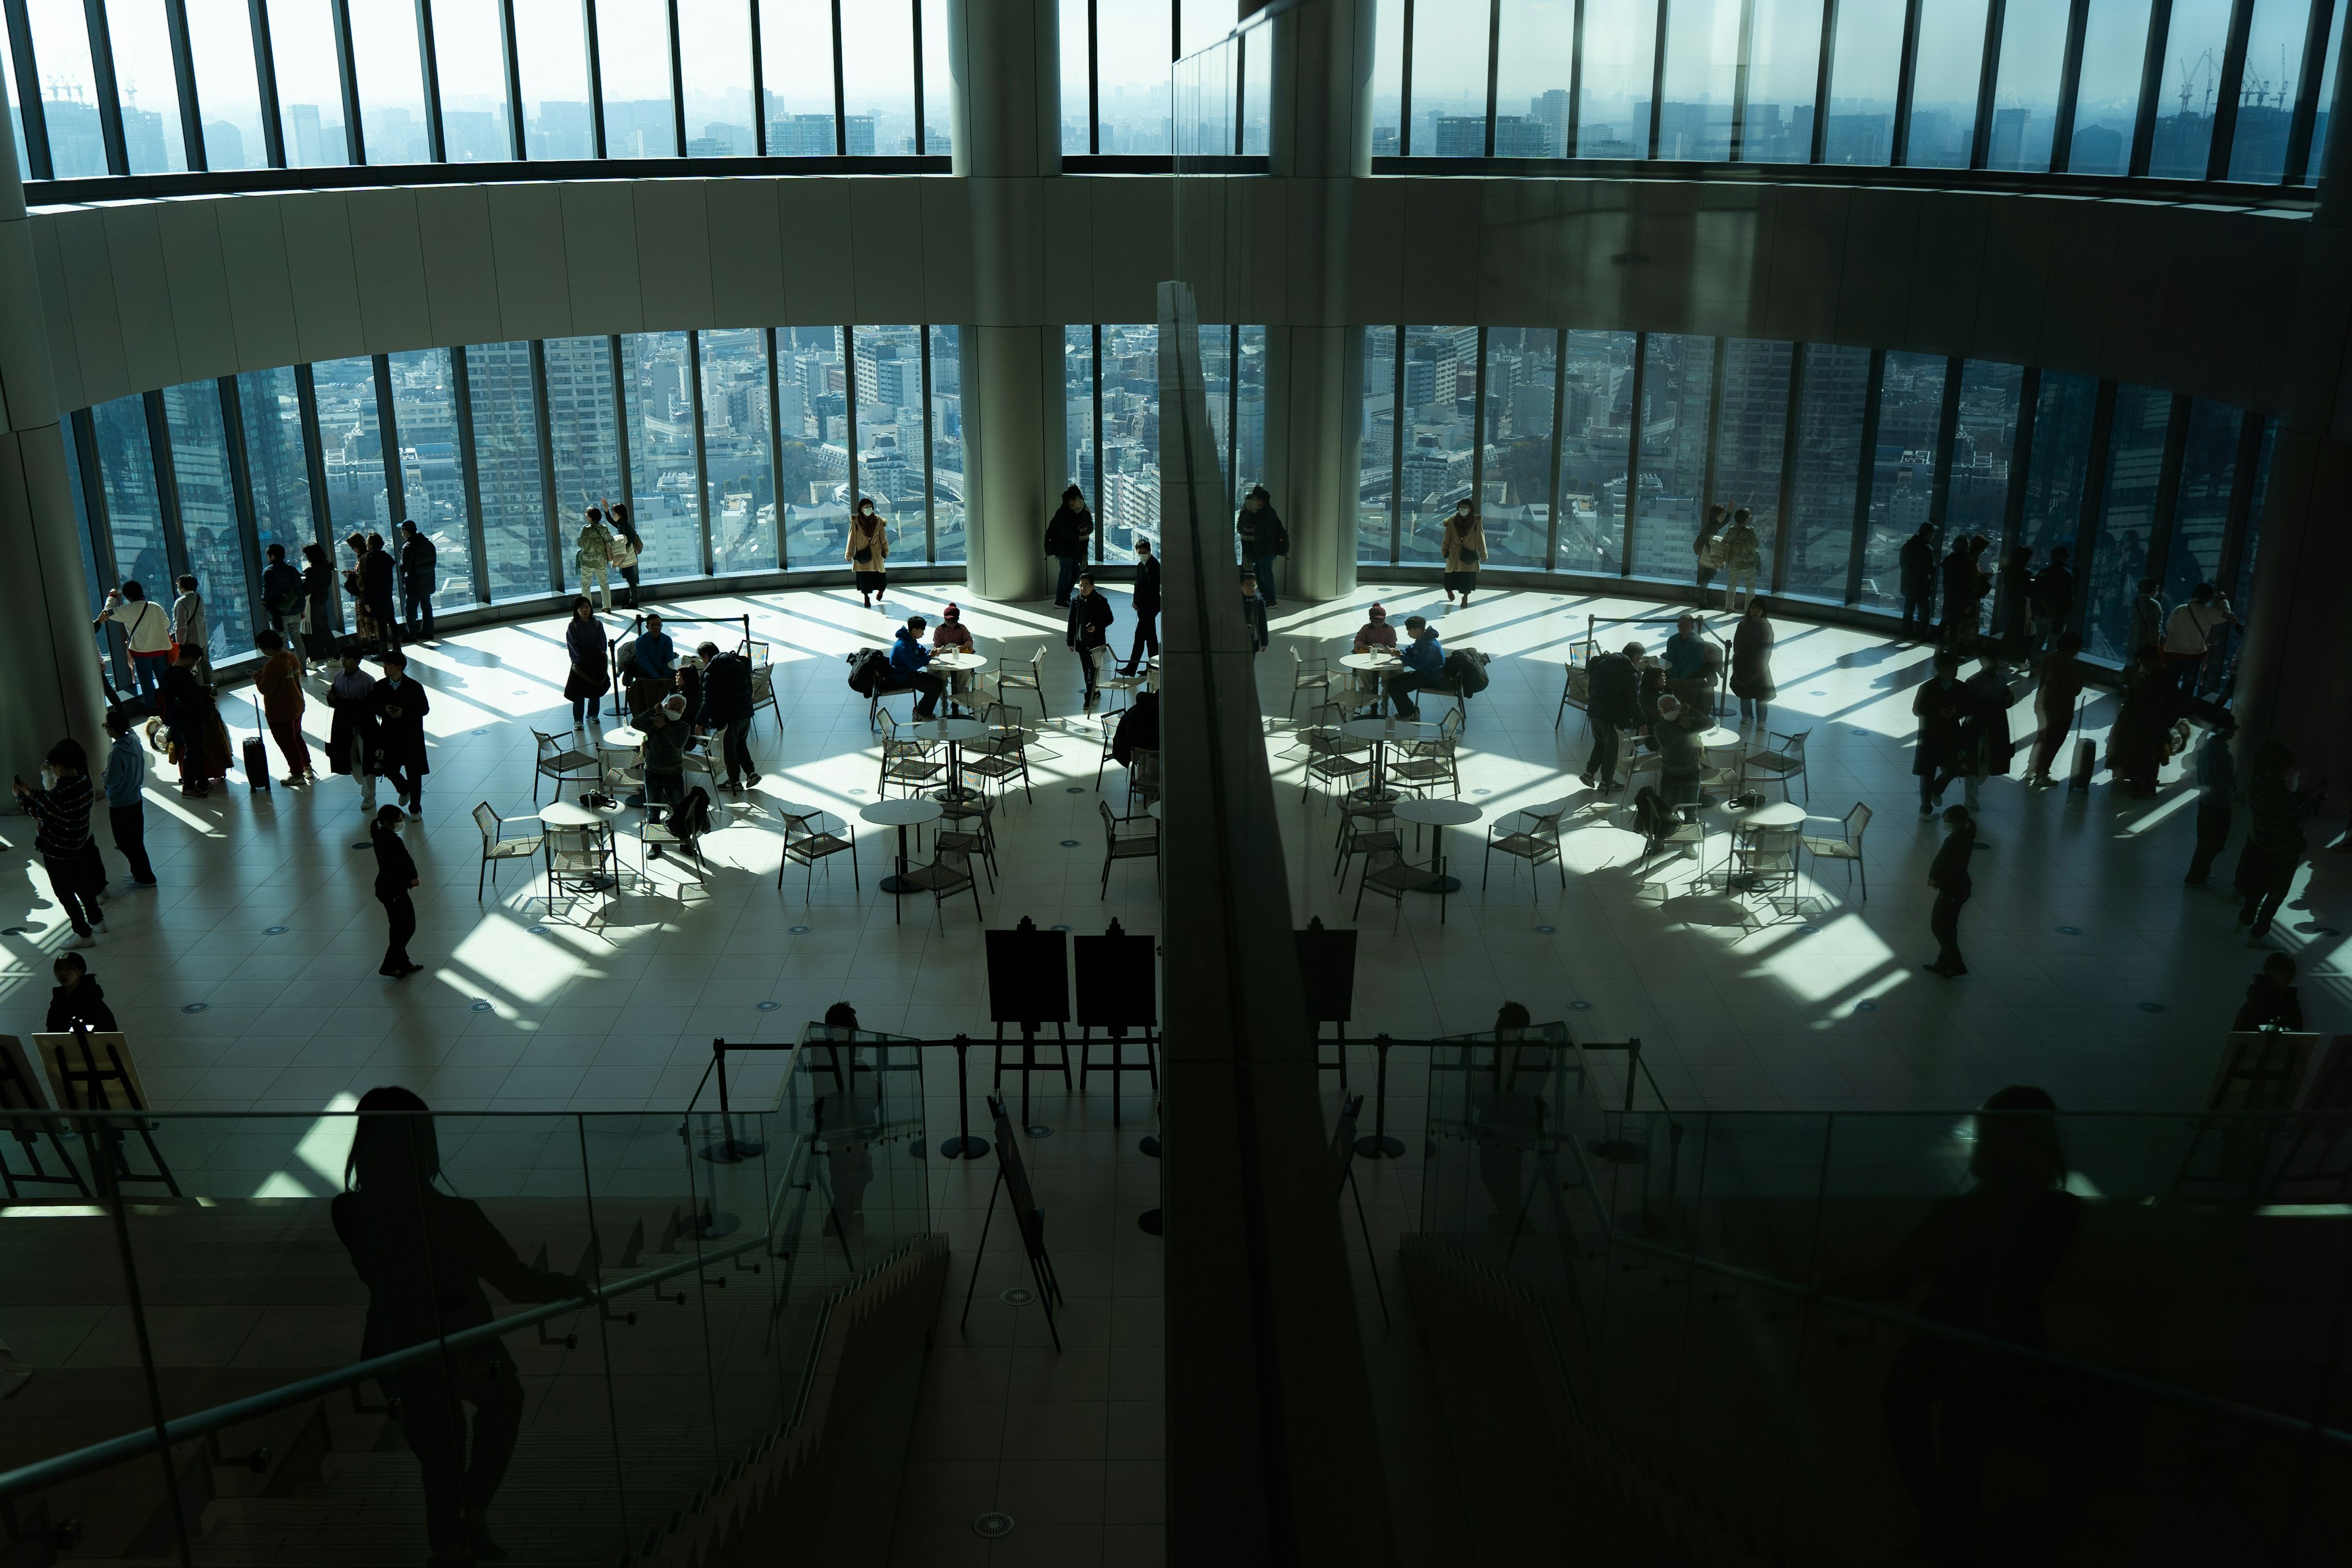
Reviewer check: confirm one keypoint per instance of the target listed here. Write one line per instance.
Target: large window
(1784, 73)
(632, 62)
(947, 444)
(552, 48)
(1449, 78)
(1902, 470)
(2274, 43)
(714, 48)
(1835, 384)
(939, 115)
(891, 432)
(813, 403)
(220, 38)
(1701, 73)
(1621, 44)
(1944, 83)
(1981, 448)
(208, 522)
(350, 439)
(469, 54)
(61, 56)
(269, 405)
(2128, 519)
(657, 382)
(1596, 423)
(1865, 67)
(1441, 381)
(147, 86)
(2201, 517)
(583, 431)
(391, 84)
(1127, 440)
(2059, 463)
(877, 76)
(1752, 433)
(2194, 44)
(1677, 397)
(1376, 448)
(2026, 82)
(2106, 106)
(796, 54)
(432, 486)
(310, 83)
(739, 480)
(134, 512)
(1538, 44)
(1079, 412)
(1522, 381)
(499, 384)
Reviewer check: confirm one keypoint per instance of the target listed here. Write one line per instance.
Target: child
(2272, 1001)
(1254, 613)
(79, 998)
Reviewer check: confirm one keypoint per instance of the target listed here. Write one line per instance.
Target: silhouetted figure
(849, 1149)
(1505, 1116)
(395, 874)
(1984, 1257)
(77, 997)
(1949, 875)
(423, 1254)
(2272, 1001)
(2276, 805)
(1942, 706)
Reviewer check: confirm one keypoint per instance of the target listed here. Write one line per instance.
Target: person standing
(1465, 546)
(2216, 798)
(147, 629)
(2147, 622)
(1706, 546)
(79, 999)
(1066, 533)
(1917, 562)
(351, 738)
(1743, 556)
(627, 548)
(590, 676)
(126, 809)
(1264, 539)
(283, 597)
(60, 812)
(591, 558)
(1959, 587)
(1985, 739)
(1942, 709)
(1424, 665)
(2137, 743)
(378, 573)
(1690, 664)
(1949, 875)
(868, 552)
(319, 606)
(2277, 806)
(2188, 636)
(279, 682)
(1087, 628)
(726, 711)
(1751, 664)
(189, 626)
(2054, 598)
(1253, 614)
(194, 721)
(2060, 683)
(399, 705)
(395, 874)
(1612, 702)
(418, 571)
(1146, 604)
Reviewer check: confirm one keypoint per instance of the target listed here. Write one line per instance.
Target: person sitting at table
(951, 633)
(1424, 666)
(656, 655)
(908, 657)
(1689, 667)
(1375, 636)
(1682, 768)
(1139, 728)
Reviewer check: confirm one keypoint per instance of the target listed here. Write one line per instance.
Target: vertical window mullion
(436, 141)
(2021, 458)
(510, 60)
(2241, 491)
(1740, 81)
(621, 424)
(1948, 436)
(1478, 430)
(677, 150)
(1657, 92)
(1820, 150)
(184, 73)
(1241, 75)
(108, 91)
(1906, 74)
(387, 426)
(930, 512)
(922, 145)
(1988, 83)
(265, 76)
(1094, 369)
(27, 88)
(1493, 50)
(240, 486)
(2167, 488)
(1397, 431)
(1791, 428)
(2070, 86)
(1094, 80)
(347, 68)
(167, 486)
(1405, 130)
(2315, 45)
(1233, 413)
(1873, 390)
(314, 465)
(596, 110)
(701, 440)
(1558, 400)
(759, 145)
(1633, 437)
(2225, 98)
(775, 442)
(849, 411)
(2095, 498)
(1575, 103)
(2151, 85)
(545, 434)
(469, 471)
(841, 139)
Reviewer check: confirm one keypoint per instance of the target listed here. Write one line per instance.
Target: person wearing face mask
(60, 812)
(1466, 547)
(1146, 606)
(399, 705)
(395, 874)
(1066, 533)
(868, 550)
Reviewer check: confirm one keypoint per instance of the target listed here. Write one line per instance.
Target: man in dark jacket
(2053, 597)
(1066, 533)
(283, 596)
(1147, 605)
(399, 706)
(1088, 629)
(1263, 538)
(376, 574)
(416, 562)
(908, 657)
(1612, 702)
(1949, 875)
(1918, 567)
(1961, 592)
(726, 711)
(1942, 707)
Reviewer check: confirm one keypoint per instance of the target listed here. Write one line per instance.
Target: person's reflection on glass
(423, 1254)
(1983, 1256)
(1506, 1118)
(849, 1133)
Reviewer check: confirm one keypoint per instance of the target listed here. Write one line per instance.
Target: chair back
(957, 863)
(1449, 728)
(1796, 745)
(1100, 657)
(547, 746)
(1143, 772)
(1110, 823)
(758, 654)
(1037, 657)
(1773, 848)
(1857, 822)
(488, 821)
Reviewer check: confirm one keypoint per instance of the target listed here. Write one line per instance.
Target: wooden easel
(19, 1092)
(93, 1075)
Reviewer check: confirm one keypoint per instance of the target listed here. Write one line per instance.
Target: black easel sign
(1012, 1177)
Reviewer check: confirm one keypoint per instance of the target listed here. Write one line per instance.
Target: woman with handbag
(584, 687)
(1464, 545)
(868, 550)
(318, 608)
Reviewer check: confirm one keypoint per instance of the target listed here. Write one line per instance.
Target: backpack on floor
(1653, 819)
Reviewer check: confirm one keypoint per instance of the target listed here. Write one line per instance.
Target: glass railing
(2066, 1337)
(626, 1304)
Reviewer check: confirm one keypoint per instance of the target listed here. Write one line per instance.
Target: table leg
(1439, 882)
(897, 883)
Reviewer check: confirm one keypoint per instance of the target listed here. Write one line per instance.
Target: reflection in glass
(1620, 40)
(1978, 498)
(1596, 416)
(1078, 411)
(2025, 86)
(878, 74)
(1863, 73)
(351, 443)
(425, 417)
(2318, 156)
(1257, 94)
(813, 408)
(1902, 471)
(657, 382)
(310, 83)
(1754, 431)
(2242, 588)
(271, 411)
(797, 72)
(1216, 386)
(126, 470)
(392, 84)
(68, 88)
(1537, 48)
(2193, 46)
(2266, 95)
(939, 112)
(714, 40)
(1784, 51)
(2060, 457)
(1128, 498)
(1376, 446)
(1249, 415)
(891, 432)
(947, 444)
(551, 45)
(1387, 88)
(741, 500)
(506, 460)
(1836, 383)
(583, 435)
(2107, 104)
(1449, 78)
(2126, 521)
(208, 524)
(147, 86)
(1944, 85)
(469, 56)
(1677, 389)
(2208, 468)
(1702, 64)
(1522, 363)
(1441, 378)
(633, 63)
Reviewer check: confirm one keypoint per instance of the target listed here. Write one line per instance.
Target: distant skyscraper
(1516, 137)
(2008, 147)
(1463, 137)
(224, 145)
(1550, 110)
(310, 138)
(802, 136)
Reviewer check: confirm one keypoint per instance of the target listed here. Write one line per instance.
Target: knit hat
(951, 612)
(1378, 613)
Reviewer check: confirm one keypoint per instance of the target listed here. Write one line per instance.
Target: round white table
(907, 811)
(958, 666)
(1373, 671)
(1720, 738)
(1743, 821)
(1154, 810)
(1437, 816)
(627, 738)
(1383, 733)
(953, 732)
(563, 815)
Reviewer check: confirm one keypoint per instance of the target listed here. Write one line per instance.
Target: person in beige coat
(867, 548)
(1465, 545)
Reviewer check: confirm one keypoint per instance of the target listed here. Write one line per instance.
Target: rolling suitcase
(257, 759)
(2086, 763)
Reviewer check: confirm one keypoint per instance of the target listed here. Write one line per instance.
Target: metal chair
(1142, 775)
(1575, 691)
(763, 682)
(807, 840)
(1342, 759)
(1719, 765)
(1390, 874)
(909, 764)
(1006, 753)
(1308, 675)
(1785, 763)
(623, 770)
(948, 873)
(1122, 842)
(657, 834)
(1107, 678)
(559, 760)
(970, 826)
(497, 846)
(580, 860)
(1366, 828)
(1537, 843)
(1018, 674)
(1847, 848)
(1764, 863)
(1425, 765)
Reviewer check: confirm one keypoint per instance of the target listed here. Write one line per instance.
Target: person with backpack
(667, 735)
(147, 628)
(1612, 702)
(1263, 540)
(1743, 558)
(591, 558)
(1066, 533)
(1464, 547)
(726, 711)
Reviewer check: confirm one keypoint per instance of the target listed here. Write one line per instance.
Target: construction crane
(2189, 70)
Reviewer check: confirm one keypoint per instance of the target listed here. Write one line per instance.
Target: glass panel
(506, 466)
(891, 432)
(2193, 47)
(2060, 457)
(878, 75)
(1829, 458)
(939, 112)
(813, 406)
(1538, 50)
(1979, 498)
(126, 470)
(220, 37)
(392, 84)
(1249, 422)
(551, 45)
(2318, 155)
(310, 83)
(582, 434)
(1130, 491)
(657, 378)
(351, 442)
(1441, 384)
(1449, 77)
(16, 113)
(425, 417)
(1203, 23)
(2208, 466)
(271, 409)
(1075, 94)
(1376, 446)
(2107, 104)
(148, 87)
(1753, 434)
(1595, 423)
(209, 515)
(1205, 104)
(2266, 95)
(632, 62)
(470, 57)
(714, 40)
(1678, 385)
(1620, 40)
(2242, 590)
(946, 443)
(1216, 386)
(68, 88)
(1864, 73)
(742, 502)
(1257, 93)
(1132, 67)
(2127, 521)
(1521, 365)
(1943, 86)
(2025, 85)
(1902, 470)
(1078, 409)
(796, 69)
(1784, 53)
(1387, 88)
(1702, 63)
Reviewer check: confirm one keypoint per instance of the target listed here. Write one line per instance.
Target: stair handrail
(83, 1461)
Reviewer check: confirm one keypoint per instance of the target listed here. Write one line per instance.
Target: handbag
(863, 556)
